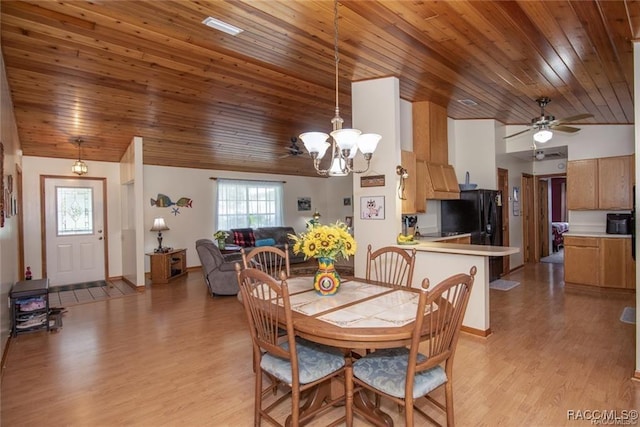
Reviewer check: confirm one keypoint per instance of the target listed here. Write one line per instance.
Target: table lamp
(159, 226)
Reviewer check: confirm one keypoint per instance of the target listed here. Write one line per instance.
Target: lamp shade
(338, 167)
(542, 136)
(315, 142)
(346, 138)
(159, 225)
(368, 142)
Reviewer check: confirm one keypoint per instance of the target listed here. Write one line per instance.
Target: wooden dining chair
(298, 364)
(269, 259)
(404, 375)
(390, 265)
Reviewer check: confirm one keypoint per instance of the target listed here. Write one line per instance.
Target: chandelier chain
(335, 48)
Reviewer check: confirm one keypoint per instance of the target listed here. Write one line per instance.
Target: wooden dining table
(362, 315)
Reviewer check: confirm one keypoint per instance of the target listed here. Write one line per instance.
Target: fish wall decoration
(163, 201)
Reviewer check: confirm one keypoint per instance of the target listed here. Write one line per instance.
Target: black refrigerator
(477, 212)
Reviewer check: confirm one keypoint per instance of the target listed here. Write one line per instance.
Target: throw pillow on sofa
(243, 237)
(265, 242)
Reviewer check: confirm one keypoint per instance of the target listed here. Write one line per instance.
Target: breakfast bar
(438, 260)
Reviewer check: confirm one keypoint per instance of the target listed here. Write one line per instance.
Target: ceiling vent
(468, 102)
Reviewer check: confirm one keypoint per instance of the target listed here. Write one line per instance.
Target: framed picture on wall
(349, 221)
(304, 203)
(372, 207)
(346, 201)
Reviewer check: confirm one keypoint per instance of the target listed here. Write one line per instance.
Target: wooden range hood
(436, 178)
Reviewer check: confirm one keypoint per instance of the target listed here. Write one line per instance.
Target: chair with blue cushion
(269, 259)
(405, 375)
(298, 364)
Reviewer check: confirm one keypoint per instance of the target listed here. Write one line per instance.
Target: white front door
(74, 221)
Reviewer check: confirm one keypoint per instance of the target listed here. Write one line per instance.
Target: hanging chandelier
(345, 142)
(79, 167)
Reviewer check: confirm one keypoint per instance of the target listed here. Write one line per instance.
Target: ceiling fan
(293, 150)
(544, 124)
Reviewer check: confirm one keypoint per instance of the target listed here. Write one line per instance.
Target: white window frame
(249, 204)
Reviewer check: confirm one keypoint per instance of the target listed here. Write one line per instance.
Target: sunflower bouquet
(325, 241)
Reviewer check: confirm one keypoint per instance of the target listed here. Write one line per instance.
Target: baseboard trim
(476, 332)
(597, 290)
(636, 376)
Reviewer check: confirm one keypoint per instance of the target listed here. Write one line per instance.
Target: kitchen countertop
(596, 234)
(461, 249)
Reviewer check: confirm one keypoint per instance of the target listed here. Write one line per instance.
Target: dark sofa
(249, 238)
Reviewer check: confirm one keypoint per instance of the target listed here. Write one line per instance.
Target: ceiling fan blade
(563, 128)
(574, 118)
(517, 133)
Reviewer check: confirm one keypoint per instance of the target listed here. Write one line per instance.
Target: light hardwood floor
(173, 356)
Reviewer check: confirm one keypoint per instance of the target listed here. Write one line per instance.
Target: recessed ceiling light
(468, 102)
(222, 26)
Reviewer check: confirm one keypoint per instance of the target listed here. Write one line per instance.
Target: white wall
(9, 259)
(33, 168)
(376, 108)
(473, 150)
(190, 224)
(198, 221)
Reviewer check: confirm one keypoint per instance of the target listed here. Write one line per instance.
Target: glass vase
(221, 244)
(326, 280)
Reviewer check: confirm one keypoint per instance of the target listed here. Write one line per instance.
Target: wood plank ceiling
(104, 71)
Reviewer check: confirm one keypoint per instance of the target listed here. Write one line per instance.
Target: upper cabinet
(430, 137)
(615, 182)
(605, 183)
(436, 179)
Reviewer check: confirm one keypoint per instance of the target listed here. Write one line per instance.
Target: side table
(166, 266)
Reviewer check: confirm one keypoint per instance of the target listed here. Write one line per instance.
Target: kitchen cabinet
(615, 182)
(617, 266)
(604, 183)
(430, 134)
(599, 261)
(582, 260)
(582, 184)
(408, 161)
(462, 240)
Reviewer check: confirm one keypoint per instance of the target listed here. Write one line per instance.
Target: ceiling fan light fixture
(542, 136)
(344, 142)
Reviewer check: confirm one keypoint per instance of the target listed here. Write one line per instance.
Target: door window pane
(74, 211)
